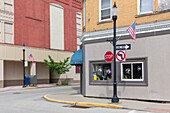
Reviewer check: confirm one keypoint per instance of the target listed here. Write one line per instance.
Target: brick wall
(127, 14)
(32, 22)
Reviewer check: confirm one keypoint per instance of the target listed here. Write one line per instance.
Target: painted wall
(127, 14)
(32, 23)
(155, 49)
(42, 72)
(11, 52)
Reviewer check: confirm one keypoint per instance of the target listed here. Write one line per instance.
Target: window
(132, 71)
(100, 72)
(7, 5)
(79, 28)
(145, 6)
(104, 10)
(8, 33)
(78, 68)
(56, 26)
(163, 5)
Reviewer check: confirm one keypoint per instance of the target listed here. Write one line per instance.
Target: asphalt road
(32, 101)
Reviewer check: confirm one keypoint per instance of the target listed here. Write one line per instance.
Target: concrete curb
(84, 103)
(30, 88)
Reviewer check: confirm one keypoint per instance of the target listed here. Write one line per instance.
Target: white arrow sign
(123, 47)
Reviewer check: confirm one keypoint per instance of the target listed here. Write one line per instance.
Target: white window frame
(132, 71)
(100, 20)
(138, 8)
(84, 13)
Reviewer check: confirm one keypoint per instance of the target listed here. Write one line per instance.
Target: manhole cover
(16, 93)
(83, 107)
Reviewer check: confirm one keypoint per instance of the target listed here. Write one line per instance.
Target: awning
(77, 58)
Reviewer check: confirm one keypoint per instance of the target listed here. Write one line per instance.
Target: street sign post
(123, 47)
(120, 55)
(108, 56)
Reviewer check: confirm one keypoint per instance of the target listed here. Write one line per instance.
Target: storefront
(145, 72)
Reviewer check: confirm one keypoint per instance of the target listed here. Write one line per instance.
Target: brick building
(145, 73)
(46, 27)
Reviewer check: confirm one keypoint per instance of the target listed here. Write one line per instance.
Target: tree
(58, 68)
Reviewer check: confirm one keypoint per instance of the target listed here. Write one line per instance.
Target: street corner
(84, 103)
(59, 101)
(99, 105)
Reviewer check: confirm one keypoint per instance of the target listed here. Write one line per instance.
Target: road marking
(133, 111)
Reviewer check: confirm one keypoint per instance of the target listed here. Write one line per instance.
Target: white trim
(56, 5)
(122, 31)
(132, 71)
(84, 13)
(100, 12)
(138, 8)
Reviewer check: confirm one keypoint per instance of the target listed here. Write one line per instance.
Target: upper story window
(145, 6)
(163, 5)
(7, 5)
(104, 10)
(56, 26)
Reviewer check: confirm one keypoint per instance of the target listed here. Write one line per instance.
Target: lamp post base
(115, 99)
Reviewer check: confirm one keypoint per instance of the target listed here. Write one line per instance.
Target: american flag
(31, 58)
(132, 31)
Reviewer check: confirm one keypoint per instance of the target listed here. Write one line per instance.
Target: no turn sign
(120, 56)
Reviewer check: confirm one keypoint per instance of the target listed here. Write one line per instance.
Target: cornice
(122, 31)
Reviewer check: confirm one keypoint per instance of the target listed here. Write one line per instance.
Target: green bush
(60, 67)
(64, 83)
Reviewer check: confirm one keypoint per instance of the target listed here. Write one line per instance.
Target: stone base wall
(20, 82)
(68, 80)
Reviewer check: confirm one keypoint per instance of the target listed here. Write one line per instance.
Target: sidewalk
(75, 98)
(11, 88)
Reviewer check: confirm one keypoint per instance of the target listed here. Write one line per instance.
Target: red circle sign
(108, 56)
(122, 56)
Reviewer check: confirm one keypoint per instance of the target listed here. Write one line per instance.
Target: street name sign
(123, 47)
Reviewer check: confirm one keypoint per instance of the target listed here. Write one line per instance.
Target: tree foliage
(58, 68)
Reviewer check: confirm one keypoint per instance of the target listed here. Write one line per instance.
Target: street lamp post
(114, 17)
(23, 65)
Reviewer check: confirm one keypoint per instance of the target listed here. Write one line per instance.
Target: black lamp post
(23, 64)
(114, 17)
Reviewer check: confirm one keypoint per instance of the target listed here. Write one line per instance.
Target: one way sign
(123, 47)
